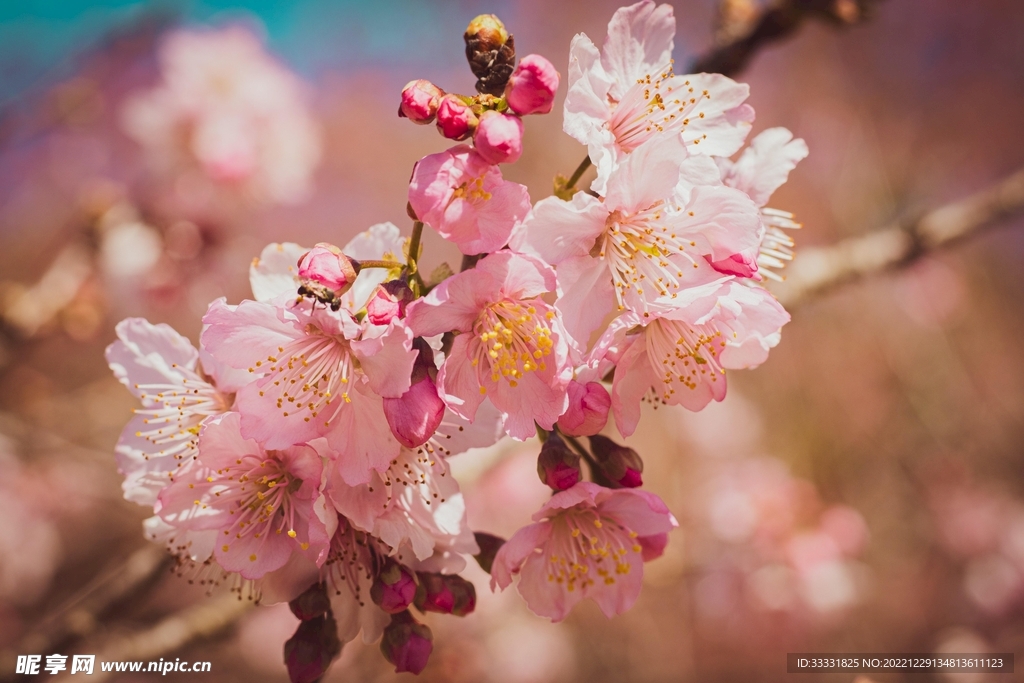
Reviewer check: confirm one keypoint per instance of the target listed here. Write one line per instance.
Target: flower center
(307, 374)
(685, 355)
(665, 103)
(472, 191)
(638, 248)
(586, 548)
(413, 473)
(514, 339)
(258, 493)
(180, 409)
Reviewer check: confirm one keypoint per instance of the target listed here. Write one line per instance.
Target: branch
(202, 620)
(818, 269)
(742, 29)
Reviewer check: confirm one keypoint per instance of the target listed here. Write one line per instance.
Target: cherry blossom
(463, 197)
(510, 347)
(587, 542)
(627, 94)
(266, 504)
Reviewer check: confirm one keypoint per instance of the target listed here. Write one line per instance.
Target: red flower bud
(499, 138)
(416, 414)
(557, 465)
(312, 603)
(620, 464)
(388, 302)
(406, 643)
(588, 409)
(532, 87)
(309, 652)
(455, 119)
(445, 594)
(394, 588)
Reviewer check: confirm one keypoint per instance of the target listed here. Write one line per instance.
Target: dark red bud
(558, 466)
(621, 465)
(407, 643)
(489, 545)
(312, 603)
(309, 652)
(445, 594)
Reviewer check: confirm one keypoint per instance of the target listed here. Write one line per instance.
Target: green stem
(379, 264)
(578, 173)
(414, 246)
(578, 447)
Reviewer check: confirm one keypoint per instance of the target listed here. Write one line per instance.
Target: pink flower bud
(388, 302)
(309, 652)
(406, 643)
(420, 100)
(499, 138)
(394, 589)
(445, 594)
(532, 87)
(557, 465)
(325, 265)
(416, 414)
(620, 464)
(455, 119)
(588, 409)
(489, 545)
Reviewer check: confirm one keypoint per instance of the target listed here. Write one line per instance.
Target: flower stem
(578, 447)
(578, 173)
(414, 246)
(379, 264)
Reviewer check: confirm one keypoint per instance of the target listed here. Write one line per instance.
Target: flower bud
(531, 88)
(588, 409)
(420, 100)
(620, 464)
(491, 52)
(489, 545)
(455, 119)
(309, 652)
(312, 603)
(445, 594)
(499, 138)
(558, 466)
(394, 588)
(325, 265)
(388, 302)
(406, 643)
(416, 414)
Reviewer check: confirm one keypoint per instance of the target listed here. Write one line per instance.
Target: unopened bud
(499, 137)
(587, 413)
(491, 52)
(394, 588)
(416, 414)
(558, 466)
(407, 643)
(455, 120)
(445, 594)
(531, 88)
(620, 464)
(388, 302)
(489, 545)
(327, 266)
(420, 100)
(312, 603)
(309, 652)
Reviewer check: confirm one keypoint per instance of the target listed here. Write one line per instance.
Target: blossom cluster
(303, 446)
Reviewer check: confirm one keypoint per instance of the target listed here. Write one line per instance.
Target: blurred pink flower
(510, 347)
(228, 108)
(627, 94)
(585, 544)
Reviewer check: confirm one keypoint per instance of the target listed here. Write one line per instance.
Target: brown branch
(819, 269)
(202, 620)
(743, 29)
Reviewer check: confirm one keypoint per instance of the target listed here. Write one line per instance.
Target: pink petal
(557, 230)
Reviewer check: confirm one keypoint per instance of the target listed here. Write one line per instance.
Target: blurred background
(863, 491)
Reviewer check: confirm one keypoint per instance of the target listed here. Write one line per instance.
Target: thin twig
(819, 269)
(737, 44)
(202, 620)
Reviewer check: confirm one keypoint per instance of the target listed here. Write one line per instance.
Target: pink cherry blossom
(318, 373)
(420, 99)
(760, 170)
(463, 197)
(637, 248)
(681, 355)
(586, 543)
(499, 138)
(510, 347)
(531, 88)
(627, 94)
(455, 120)
(163, 370)
(228, 109)
(266, 504)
